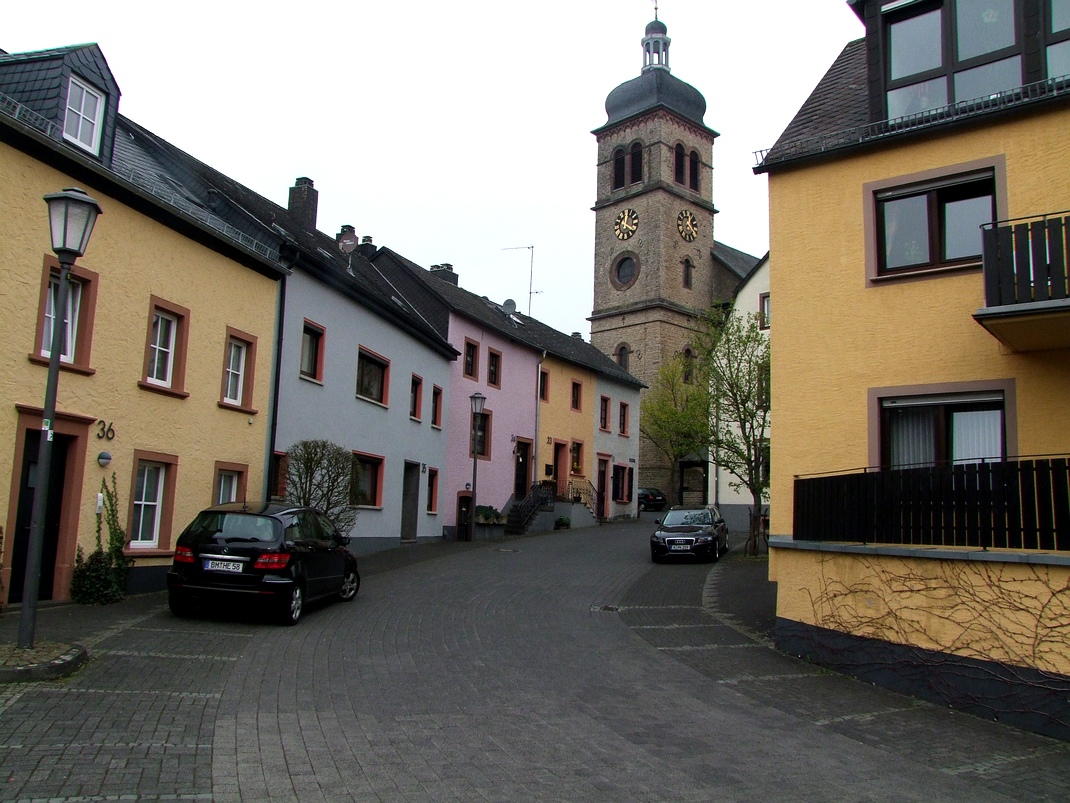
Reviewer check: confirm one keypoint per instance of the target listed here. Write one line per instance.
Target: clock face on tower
(687, 225)
(626, 224)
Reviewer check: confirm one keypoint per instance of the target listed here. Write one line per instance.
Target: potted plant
(485, 514)
(562, 523)
(489, 524)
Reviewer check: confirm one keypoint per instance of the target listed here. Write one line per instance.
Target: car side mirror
(657, 522)
(344, 540)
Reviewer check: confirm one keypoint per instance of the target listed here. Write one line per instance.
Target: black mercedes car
(272, 555)
(693, 532)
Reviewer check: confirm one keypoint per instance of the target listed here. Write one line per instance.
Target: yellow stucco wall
(1014, 613)
(558, 422)
(836, 338)
(135, 257)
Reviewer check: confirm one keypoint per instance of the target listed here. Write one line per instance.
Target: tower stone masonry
(655, 266)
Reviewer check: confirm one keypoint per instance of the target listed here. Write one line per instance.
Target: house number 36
(106, 430)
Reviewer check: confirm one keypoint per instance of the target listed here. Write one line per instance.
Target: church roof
(739, 262)
(651, 90)
(656, 87)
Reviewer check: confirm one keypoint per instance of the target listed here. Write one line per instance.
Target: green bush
(100, 579)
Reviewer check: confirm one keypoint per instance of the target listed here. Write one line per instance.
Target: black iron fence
(1015, 504)
(1025, 260)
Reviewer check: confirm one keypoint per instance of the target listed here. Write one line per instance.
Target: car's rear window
(232, 528)
(676, 518)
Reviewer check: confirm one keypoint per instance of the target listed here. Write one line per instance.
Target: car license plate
(222, 566)
(681, 547)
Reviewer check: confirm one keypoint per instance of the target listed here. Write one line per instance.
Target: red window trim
(248, 373)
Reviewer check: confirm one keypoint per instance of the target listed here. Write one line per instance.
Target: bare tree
(735, 361)
(323, 475)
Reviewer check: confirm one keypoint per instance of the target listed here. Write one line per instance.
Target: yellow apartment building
(920, 499)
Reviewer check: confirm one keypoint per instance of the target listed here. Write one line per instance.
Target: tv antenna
(531, 271)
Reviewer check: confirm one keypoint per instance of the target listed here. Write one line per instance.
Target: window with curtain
(933, 430)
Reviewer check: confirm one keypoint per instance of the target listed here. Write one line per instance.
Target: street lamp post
(71, 215)
(478, 400)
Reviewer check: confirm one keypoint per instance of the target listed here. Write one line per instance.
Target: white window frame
(235, 374)
(230, 480)
(155, 347)
(74, 301)
(144, 504)
(80, 120)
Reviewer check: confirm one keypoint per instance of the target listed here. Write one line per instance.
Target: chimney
(367, 247)
(578, 335)
(445, 273)
(304, 198)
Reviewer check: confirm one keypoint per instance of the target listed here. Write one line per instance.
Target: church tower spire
(656, 45)
(654, 274)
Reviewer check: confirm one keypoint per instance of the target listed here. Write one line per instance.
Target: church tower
(654, 266)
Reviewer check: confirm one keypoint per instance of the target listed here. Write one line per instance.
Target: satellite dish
(509, 306)
(348, 242)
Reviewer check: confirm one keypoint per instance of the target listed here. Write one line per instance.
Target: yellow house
(920, 500)
(166, 375)
(567, 402)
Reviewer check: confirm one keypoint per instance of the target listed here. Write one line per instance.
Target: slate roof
(170, 179)
(839, 102)
(739, 262)
(836, 116)
(440, 296)
(654, 89)
(35, 79)
(316, 253)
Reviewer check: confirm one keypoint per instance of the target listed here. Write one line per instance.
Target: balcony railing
(1025, 260)
(1017, 504)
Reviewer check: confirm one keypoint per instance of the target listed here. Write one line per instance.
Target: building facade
(165, 384)
(925, 401)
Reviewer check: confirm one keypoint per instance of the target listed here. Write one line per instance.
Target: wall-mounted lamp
(103, 459)
(468, 486)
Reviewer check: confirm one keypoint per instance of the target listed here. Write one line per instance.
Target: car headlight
(658, 537)
(704, 539)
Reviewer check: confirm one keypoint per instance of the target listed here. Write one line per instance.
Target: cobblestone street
(563, 667)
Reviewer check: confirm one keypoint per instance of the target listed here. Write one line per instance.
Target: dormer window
(85, 116)
(939, 53)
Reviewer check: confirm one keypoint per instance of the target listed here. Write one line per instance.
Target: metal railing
(583, 492)
(539, 497)
(1026, 260)
(1015, 504)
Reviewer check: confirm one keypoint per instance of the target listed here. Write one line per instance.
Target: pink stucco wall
(512, 408)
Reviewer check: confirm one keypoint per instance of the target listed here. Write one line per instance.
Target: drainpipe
(538, 405)
(288, 262)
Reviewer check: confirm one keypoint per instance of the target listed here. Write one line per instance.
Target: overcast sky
(449, 131)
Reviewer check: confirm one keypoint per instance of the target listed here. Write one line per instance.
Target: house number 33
(106, 430)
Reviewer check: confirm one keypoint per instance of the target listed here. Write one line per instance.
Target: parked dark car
(691, 532)
(651, 499)
(278, 556)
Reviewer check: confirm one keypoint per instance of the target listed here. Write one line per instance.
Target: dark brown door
(522, 472)
(603, 471)
(464, 510)
(24, 515)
